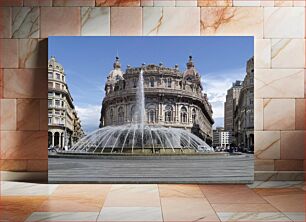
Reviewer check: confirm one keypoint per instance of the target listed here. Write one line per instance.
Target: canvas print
(151, 109)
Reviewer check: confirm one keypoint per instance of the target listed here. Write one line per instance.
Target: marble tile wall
(278, 27)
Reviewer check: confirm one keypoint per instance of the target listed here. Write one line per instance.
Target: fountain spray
(140, 105)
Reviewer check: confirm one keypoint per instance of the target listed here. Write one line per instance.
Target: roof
(54, 64)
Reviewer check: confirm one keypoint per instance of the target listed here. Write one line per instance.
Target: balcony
(56, 124)
(55, 107)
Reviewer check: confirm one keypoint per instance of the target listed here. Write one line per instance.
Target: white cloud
(90, 116)
(216, 86)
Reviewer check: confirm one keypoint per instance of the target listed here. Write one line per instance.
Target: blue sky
(88, 60)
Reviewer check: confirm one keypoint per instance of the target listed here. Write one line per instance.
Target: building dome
(116, 74)
(191, 74)
(52, 63)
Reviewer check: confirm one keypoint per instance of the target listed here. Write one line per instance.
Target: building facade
(172, 98)
(64, 125)
(244, 111)
(216, 137)
(230, 104)
(221, 138)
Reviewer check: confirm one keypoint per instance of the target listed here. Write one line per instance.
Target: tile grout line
(267, 202)
(104, 202)
(209, 202)
(278, 210)
(161, 208)
(270, 203)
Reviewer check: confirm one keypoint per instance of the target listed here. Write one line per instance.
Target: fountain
(142, 153)
(140, 138)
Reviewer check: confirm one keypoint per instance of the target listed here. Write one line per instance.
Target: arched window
(194, 115)
(116, 87)
(168, 113)
(152, 82)
(169, 81)
(57, 139)
(151, 116)
(134, 82)
(120, 115)
(50, 139)
(183, 115)
(111, 116)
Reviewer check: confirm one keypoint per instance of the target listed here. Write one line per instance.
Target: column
(177, 113)
(160, 116)
(52, 144)
(60, 140)
(156, 114)
(173, 114)
(189, 114)
(115, 116)
(126, 113)
(63, 139)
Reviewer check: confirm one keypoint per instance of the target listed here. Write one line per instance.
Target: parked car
(205, 148)
(51, 149)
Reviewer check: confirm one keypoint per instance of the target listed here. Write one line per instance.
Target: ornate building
(172, 98)
(63, 120)
(244, 111)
